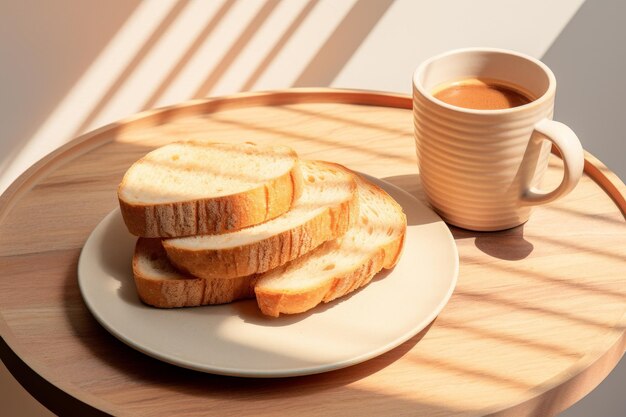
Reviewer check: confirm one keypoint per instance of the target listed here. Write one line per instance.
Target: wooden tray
(537, 320)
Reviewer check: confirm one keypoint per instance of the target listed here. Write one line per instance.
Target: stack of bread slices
(219, 222)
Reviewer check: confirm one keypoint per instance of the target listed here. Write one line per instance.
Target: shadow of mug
(508, 244)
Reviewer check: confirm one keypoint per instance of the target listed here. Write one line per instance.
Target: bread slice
(323, 212)
(159, 284)
(196, 187)
(339, 266)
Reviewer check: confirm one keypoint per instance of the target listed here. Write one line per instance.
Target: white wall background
(70, 66)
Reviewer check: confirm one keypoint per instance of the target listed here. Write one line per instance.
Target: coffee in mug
(482, 94)
(483, 134)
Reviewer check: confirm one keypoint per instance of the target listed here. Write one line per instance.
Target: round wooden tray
(536, 322)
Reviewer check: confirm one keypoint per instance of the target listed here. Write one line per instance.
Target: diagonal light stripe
(158, 63)
(304, 44)
(411, 31)
(132, 65)
(259, 47)
(189, 54)
(278, 45)
(62, 123)
(347, 37)
(244, 38)
(211, 52)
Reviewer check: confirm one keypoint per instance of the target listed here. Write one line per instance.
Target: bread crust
(272, 252)
(275, 302)
(187, 291)
(213, 215)
(269, 253)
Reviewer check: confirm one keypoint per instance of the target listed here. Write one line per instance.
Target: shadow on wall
(332, 54)
(60, 32)
(343, 43)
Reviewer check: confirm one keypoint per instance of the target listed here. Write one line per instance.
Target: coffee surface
(481, 95)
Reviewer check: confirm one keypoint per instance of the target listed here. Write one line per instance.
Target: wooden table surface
(537, 319)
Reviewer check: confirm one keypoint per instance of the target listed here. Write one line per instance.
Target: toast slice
(196, 187)
(159, 284)
(339, 266)
(323, 212)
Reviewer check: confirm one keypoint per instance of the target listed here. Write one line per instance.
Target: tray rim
(34, 376)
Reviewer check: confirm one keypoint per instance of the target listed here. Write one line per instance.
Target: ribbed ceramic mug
(482, 169)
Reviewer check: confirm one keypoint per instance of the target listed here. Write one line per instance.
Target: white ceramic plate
(236, 339)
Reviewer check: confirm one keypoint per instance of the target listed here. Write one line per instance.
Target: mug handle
(573, 160)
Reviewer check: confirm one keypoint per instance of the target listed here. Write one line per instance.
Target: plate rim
(301, 371)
